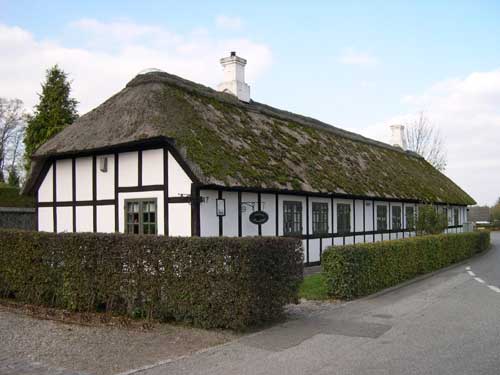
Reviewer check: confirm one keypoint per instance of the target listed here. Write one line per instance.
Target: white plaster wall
(105, 180)
(369, 215)
(209, 221)
(84, 219)
(326, 242)
(105, 217)
(358, 206)
(46, 192)
(247, 227)
(65, 219)
(64, 180)
(128, 169)
(230, 221)
(179, 218)
(152, 167)
(83, 177)
(142, 195)
(268, 204)
(178, 181)
(314, 250)
(45, 219)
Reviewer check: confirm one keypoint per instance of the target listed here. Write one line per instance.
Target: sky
(358, 65)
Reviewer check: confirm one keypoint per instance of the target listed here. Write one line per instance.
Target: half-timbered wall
(363, 221)
(75, 195)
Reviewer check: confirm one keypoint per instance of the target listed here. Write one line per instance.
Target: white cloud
(109, 54)
(227, 22)
(352, 57)
(467, 113)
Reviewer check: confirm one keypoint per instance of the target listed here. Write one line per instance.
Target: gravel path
(35, 346)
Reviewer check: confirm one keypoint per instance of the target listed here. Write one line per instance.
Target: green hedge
(209, 282)
(361, 269)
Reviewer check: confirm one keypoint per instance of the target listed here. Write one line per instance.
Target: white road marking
(479, 280)
(494, 288)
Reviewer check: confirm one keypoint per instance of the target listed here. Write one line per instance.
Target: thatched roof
(229, 143)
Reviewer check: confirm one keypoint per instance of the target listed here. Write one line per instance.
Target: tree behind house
(424, 139)
(12, 126)
(54, 112)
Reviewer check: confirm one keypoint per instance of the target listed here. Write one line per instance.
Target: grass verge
(314, 288)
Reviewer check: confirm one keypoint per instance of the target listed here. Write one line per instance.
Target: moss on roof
(229, 143)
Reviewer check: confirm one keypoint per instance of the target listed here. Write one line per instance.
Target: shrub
(430, 221)
(208, 282)
(361, 269)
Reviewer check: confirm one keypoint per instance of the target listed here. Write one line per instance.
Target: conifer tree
(55, 110)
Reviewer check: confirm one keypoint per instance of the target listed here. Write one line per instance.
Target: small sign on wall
(220, 207)
(259, 217)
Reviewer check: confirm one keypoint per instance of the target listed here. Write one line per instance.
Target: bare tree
(426, 140)
(12, 126)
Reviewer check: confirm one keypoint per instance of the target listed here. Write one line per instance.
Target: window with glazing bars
(140, 216)
(319, 217)
(410, 217)
(292, 218)
(445, 214)
(455, 216)
(343, 218)
(381, 217)
(396, 217)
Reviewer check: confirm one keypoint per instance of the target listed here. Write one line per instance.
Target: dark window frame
(396, 217)
(319, 218)
(343, 218)
(410, 223)
(381, 220)
(456, 217)
(292, 218)
(141, 223)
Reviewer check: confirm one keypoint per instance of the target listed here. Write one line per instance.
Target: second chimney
(234, 77)
(398, 136)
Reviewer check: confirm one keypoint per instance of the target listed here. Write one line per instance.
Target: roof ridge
(199, 89)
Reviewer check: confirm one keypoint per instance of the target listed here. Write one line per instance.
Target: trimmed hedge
(208, 282)
(358, 270)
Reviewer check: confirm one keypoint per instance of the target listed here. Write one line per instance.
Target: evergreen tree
(14, 178)
(55, 110)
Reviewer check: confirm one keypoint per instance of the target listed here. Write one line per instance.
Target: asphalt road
(446, 324)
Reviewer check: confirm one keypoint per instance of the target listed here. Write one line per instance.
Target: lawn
(314, 287)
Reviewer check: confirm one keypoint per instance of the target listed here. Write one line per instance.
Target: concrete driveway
(446, 324)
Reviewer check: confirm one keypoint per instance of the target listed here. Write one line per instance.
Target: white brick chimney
(234, 77)
(398, 136)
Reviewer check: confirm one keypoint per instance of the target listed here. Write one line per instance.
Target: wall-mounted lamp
(220, 207)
